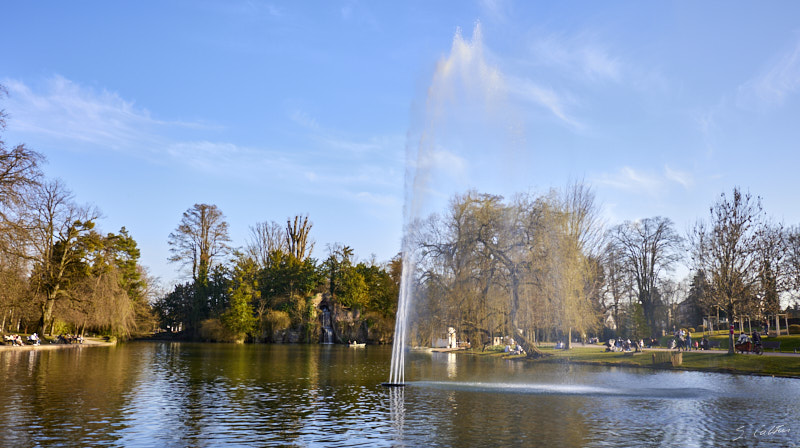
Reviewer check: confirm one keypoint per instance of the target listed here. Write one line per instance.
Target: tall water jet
(465, 93)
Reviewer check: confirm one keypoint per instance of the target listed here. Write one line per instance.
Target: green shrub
(213, 330)
(794, 329)
(275, 321)
(691, 329)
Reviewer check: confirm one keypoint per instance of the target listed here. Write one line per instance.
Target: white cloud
(495, 9)
(304, 119)
(775, 83)
(686, 180)
(646, 182)
(554, 102)
(577, 56)
(71, 117)
(66, 111)
(630, 179)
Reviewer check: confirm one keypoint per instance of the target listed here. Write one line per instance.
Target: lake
(207, 395)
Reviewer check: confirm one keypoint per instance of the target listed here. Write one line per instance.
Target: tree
(61, 232)
(175, 307)
(297, 241)
(793, 256)
(618, 285)
(238, 318)
(265, 238)
(773, 271)
(725, 250)
(200, 239)
(650, 248)
(698, 299)
(19, 168)
(345, 284)
(574, 227)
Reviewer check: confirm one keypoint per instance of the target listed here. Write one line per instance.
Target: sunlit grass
(692, 360)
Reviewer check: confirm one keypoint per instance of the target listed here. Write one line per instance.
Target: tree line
(546, 267)
(58, 272)
(272, 286)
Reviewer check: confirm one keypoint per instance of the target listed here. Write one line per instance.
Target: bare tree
(650, 248)
(19, 173)
(725, 249)
(265, 238)
(793, 257)
(200, 239)
(297, 240)
(618, 284)
(773, 271)
(58, 228)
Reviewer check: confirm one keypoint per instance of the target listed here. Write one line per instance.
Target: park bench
(713, 344)
(774, 345)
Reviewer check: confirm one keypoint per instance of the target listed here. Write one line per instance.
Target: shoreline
(787, 366)
(87, 342)
(730, 371)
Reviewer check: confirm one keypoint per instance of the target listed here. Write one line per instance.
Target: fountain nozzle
(393, 384)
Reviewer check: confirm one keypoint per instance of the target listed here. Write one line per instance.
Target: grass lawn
(789, 343)
(695, 360)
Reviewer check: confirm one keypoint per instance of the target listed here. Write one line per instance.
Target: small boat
(357, 345)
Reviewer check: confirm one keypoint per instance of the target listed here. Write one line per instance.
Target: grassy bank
(706, 361)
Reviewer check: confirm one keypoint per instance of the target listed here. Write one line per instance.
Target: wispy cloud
(650, 183)
(555, 102)
(66, 111)
(775, 83)
(586, 59)
(685, 179)
(352, 11)
(71, 117)
(577, 56)
(495, 9)
(304, 119)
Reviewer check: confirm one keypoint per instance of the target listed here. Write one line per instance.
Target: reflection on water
(152, 394)
(452, 362)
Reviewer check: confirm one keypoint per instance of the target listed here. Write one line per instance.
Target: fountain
(463, 85)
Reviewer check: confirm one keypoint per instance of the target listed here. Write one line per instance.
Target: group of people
(13, 339)
(16, 340)
(744, 338)
(69, 339)
(683, 340)
(513, 348)
(623, 345)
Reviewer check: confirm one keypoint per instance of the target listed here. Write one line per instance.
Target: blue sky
(271, 109)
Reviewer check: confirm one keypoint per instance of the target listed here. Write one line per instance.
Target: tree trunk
(47, 315)
(531, 349)
(731, 348)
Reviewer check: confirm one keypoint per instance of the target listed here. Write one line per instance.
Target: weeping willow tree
(528, 266)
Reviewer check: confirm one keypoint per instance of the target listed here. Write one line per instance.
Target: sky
(350, 111)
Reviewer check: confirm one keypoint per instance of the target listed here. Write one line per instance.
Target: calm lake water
(208, 395)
